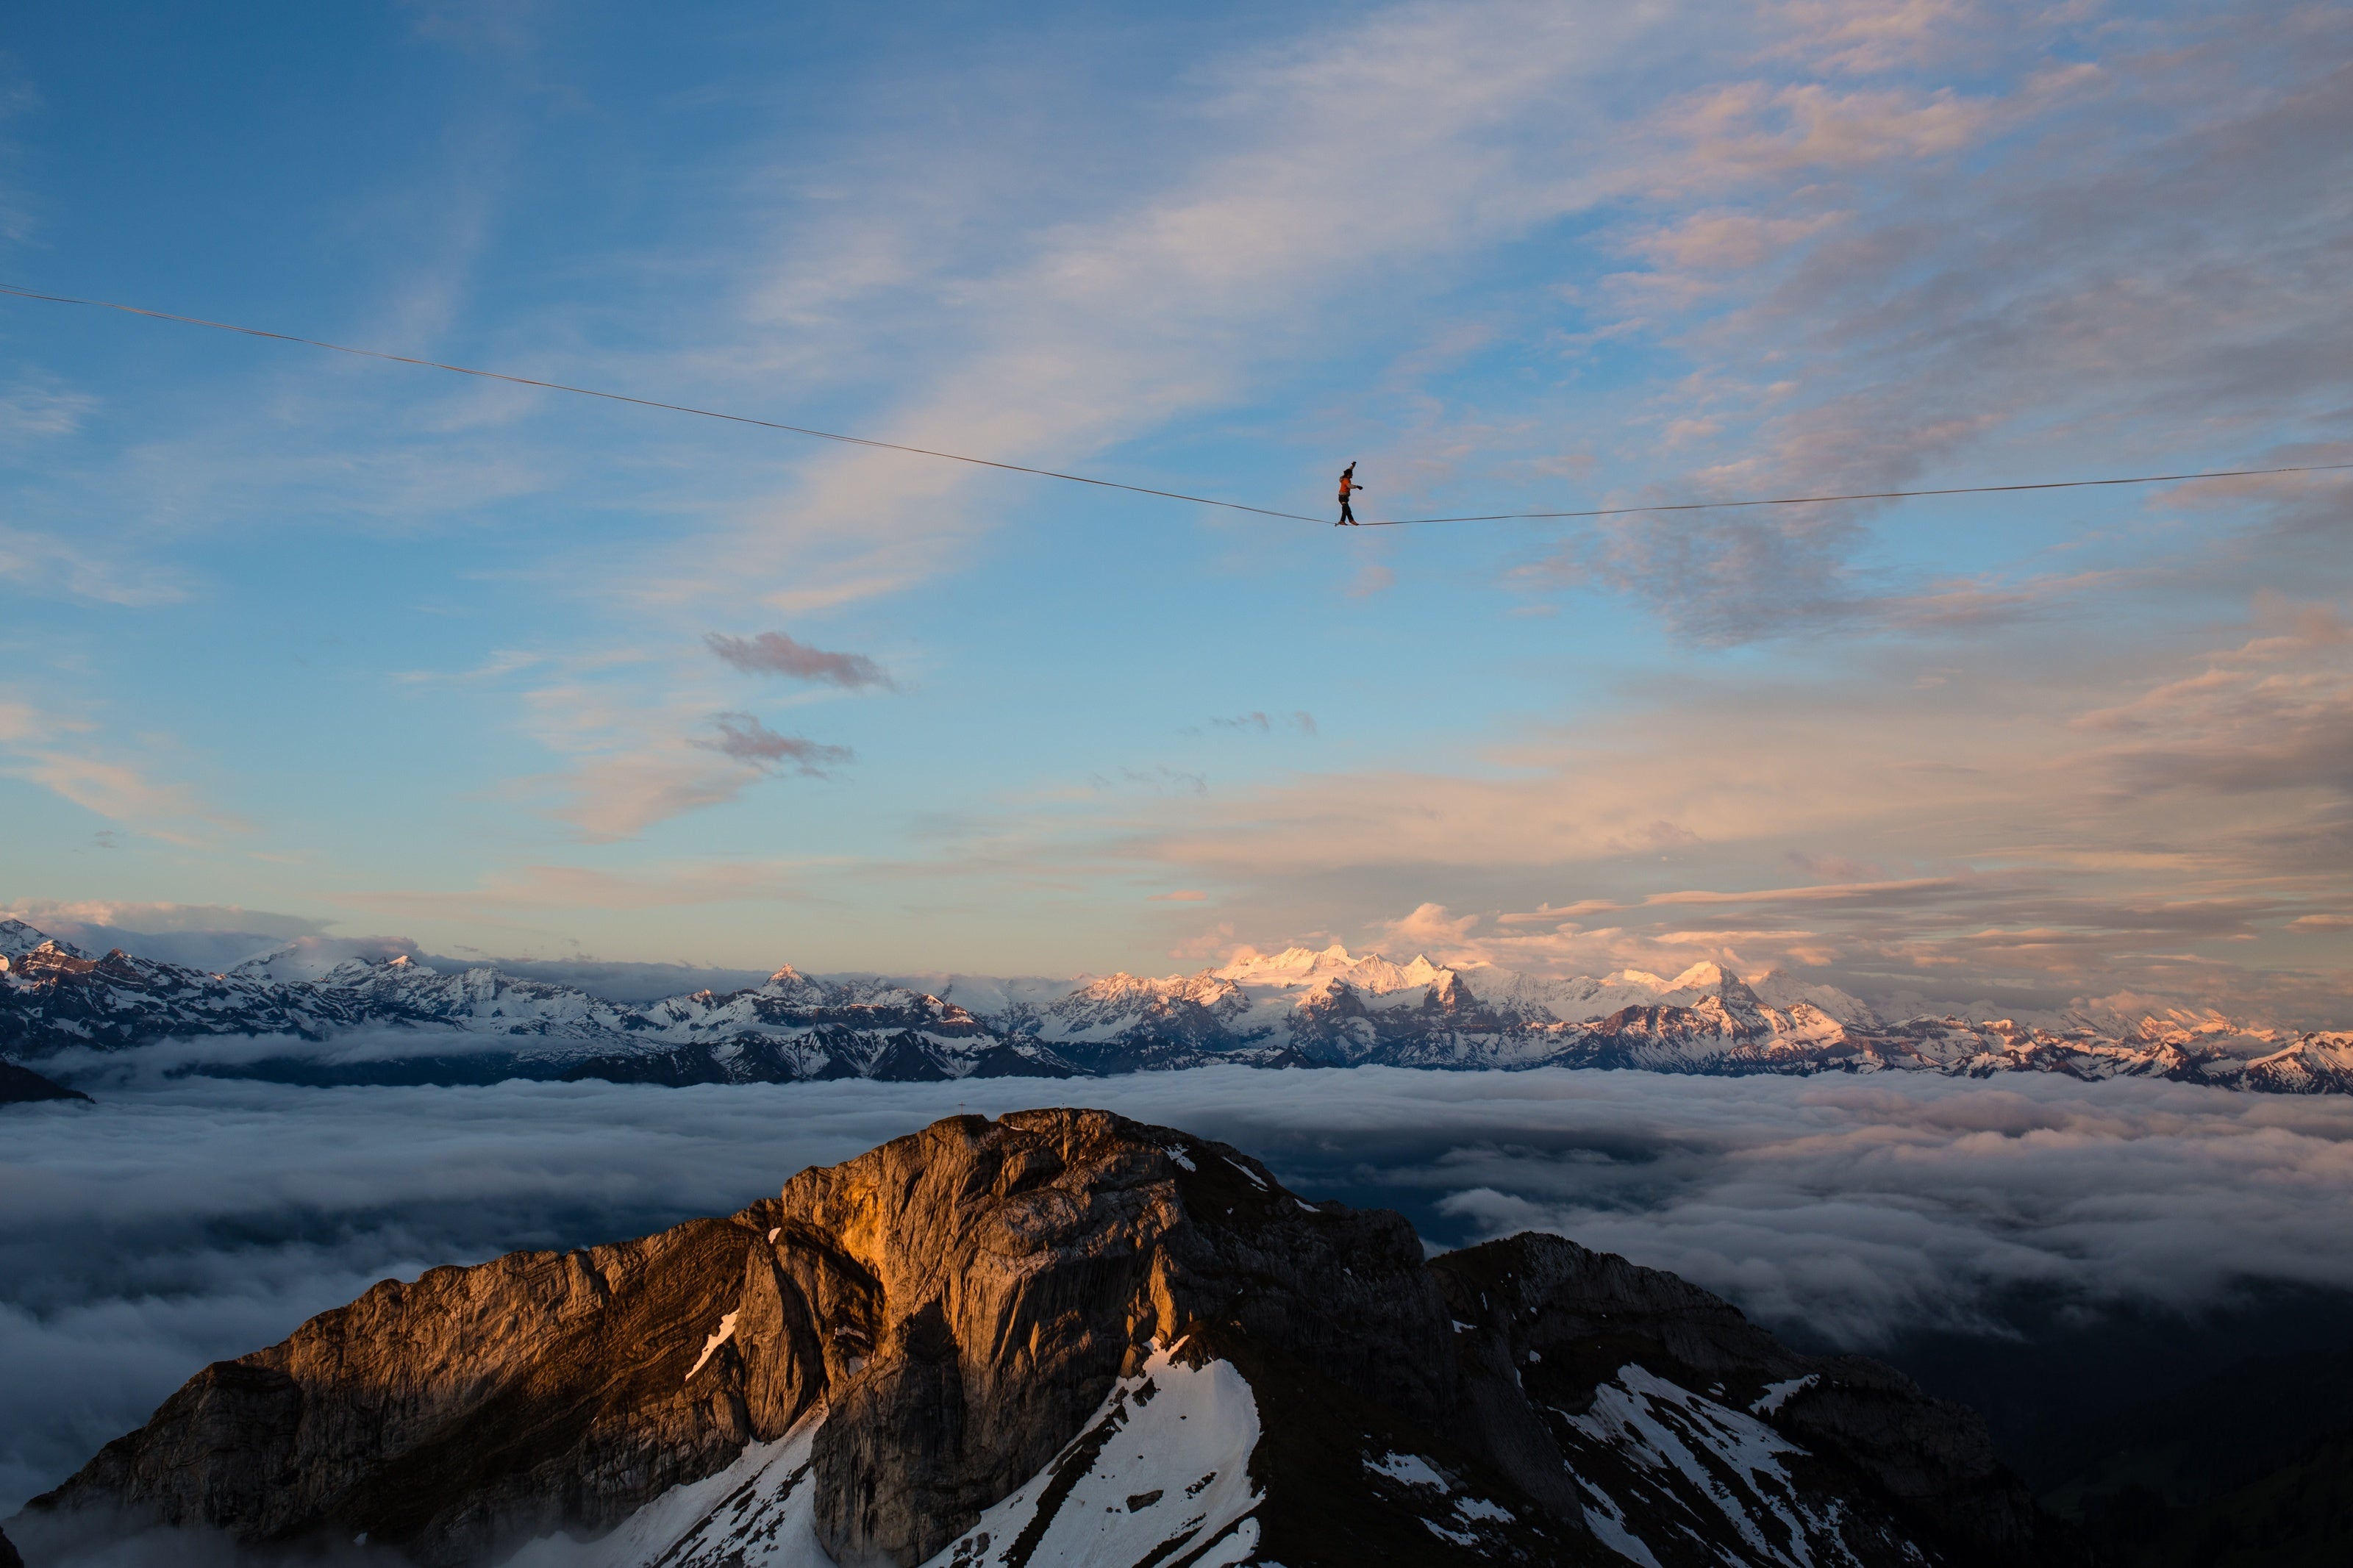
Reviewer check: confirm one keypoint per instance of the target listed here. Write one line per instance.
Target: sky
(306, 643)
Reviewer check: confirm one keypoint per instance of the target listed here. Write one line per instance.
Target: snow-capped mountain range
(296, 1016)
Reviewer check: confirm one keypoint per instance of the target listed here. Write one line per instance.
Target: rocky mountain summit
(393, 1019)
(1057, 1337)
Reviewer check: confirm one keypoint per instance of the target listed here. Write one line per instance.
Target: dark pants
(1346, 514)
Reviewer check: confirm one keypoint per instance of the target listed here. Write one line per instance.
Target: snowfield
(1161, 1472)
(759, 1513)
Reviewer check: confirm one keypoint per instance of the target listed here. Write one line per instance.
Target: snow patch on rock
(1702, 1455)
(1777, 1394)
(1159, 1473)
(758, 1512)
(726, 1331)
(1607, 1523)
(1412, 1468)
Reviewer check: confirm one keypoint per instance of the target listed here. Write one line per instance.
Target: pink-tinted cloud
(745, 739)
(774, 653)
(137, 787)
(1297, 722)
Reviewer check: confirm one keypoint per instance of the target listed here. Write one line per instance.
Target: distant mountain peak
(19, 940)
(314, 957)
(17, 937)
(1292, 965)
(1304, 966)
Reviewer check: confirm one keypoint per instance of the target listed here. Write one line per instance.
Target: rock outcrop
(22, 1086)
(965, 1345)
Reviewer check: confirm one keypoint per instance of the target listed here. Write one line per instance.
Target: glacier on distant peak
(1307, 966)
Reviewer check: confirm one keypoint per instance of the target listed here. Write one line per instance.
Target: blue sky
(302, 642)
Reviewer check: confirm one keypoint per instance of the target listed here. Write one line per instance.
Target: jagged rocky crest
(1061, 1336)
(395, 1020)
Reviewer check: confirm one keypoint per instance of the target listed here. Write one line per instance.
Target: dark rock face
(22, 1086)
(2297, 1515)
(956, 1307)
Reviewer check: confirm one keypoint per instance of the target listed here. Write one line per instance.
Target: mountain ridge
(395, 1018)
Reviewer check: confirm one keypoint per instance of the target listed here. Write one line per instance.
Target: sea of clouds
(176, 1222)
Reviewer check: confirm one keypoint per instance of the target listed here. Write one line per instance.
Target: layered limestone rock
(941, 1318)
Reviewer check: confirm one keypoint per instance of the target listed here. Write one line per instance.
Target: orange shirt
(1346, 484)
